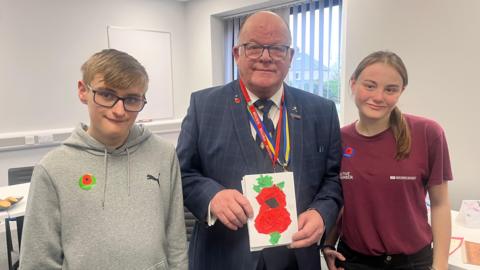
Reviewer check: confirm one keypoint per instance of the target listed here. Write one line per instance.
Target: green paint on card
(263, 182)
(274, 237)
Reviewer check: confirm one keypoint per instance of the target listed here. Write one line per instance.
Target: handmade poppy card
(272, 197)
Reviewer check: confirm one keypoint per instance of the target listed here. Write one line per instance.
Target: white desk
(455, 261)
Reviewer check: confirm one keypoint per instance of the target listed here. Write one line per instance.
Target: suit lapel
(295, 121)
(242, 127)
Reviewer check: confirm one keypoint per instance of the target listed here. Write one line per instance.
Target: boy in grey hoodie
(110, 197)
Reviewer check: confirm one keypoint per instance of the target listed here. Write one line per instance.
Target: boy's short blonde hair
(119, 70)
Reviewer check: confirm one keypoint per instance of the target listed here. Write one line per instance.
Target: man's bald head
(263, 54)
(266, 22)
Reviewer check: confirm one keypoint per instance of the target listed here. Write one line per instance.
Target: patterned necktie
(264, 106)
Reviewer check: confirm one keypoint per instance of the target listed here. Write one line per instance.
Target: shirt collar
(276, 98)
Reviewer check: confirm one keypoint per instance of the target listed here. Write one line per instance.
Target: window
(316, 38)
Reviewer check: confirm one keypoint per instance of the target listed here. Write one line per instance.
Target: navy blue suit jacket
(216, 149)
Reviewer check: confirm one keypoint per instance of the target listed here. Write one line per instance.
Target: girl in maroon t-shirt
(390, 161)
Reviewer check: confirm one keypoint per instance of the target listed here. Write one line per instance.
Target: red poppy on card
(271, 197)
(273, 217)
(272, 220)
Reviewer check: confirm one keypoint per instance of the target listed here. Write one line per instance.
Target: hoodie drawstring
(128, 171)
(105, 160)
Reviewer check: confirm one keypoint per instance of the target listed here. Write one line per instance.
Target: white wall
(43, 44)
(438, 41)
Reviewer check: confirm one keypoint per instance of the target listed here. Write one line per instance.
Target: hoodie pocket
(162, 265)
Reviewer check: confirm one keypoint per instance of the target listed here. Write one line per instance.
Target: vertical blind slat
(321, 29)
(302, 45)
(340, 8)
(329, 54)
(311, 50)
(294, 44)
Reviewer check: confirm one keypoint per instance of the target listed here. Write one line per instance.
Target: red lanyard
(259, 128)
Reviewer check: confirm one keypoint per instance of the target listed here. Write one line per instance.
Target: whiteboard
(152, 48)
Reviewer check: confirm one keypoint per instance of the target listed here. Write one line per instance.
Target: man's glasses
(255, 51)
(107, 99)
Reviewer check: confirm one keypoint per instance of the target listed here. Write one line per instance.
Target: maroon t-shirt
(385, 211)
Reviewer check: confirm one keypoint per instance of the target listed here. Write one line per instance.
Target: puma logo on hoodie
(151, 177)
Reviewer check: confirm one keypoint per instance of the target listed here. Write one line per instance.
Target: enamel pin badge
(294, 113)
(236, 99)
(87, 181)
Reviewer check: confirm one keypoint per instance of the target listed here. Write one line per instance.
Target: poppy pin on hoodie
(87, 181)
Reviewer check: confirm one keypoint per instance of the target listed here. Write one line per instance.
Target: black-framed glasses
(106, 98)
(255, 51)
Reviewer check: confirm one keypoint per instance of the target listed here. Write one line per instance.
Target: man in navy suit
(220, 142)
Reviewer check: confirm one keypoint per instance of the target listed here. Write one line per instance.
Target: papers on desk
(272, 197)
(471, 253)
(469, 215)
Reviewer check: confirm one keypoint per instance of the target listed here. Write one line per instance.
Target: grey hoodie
(132, 218)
